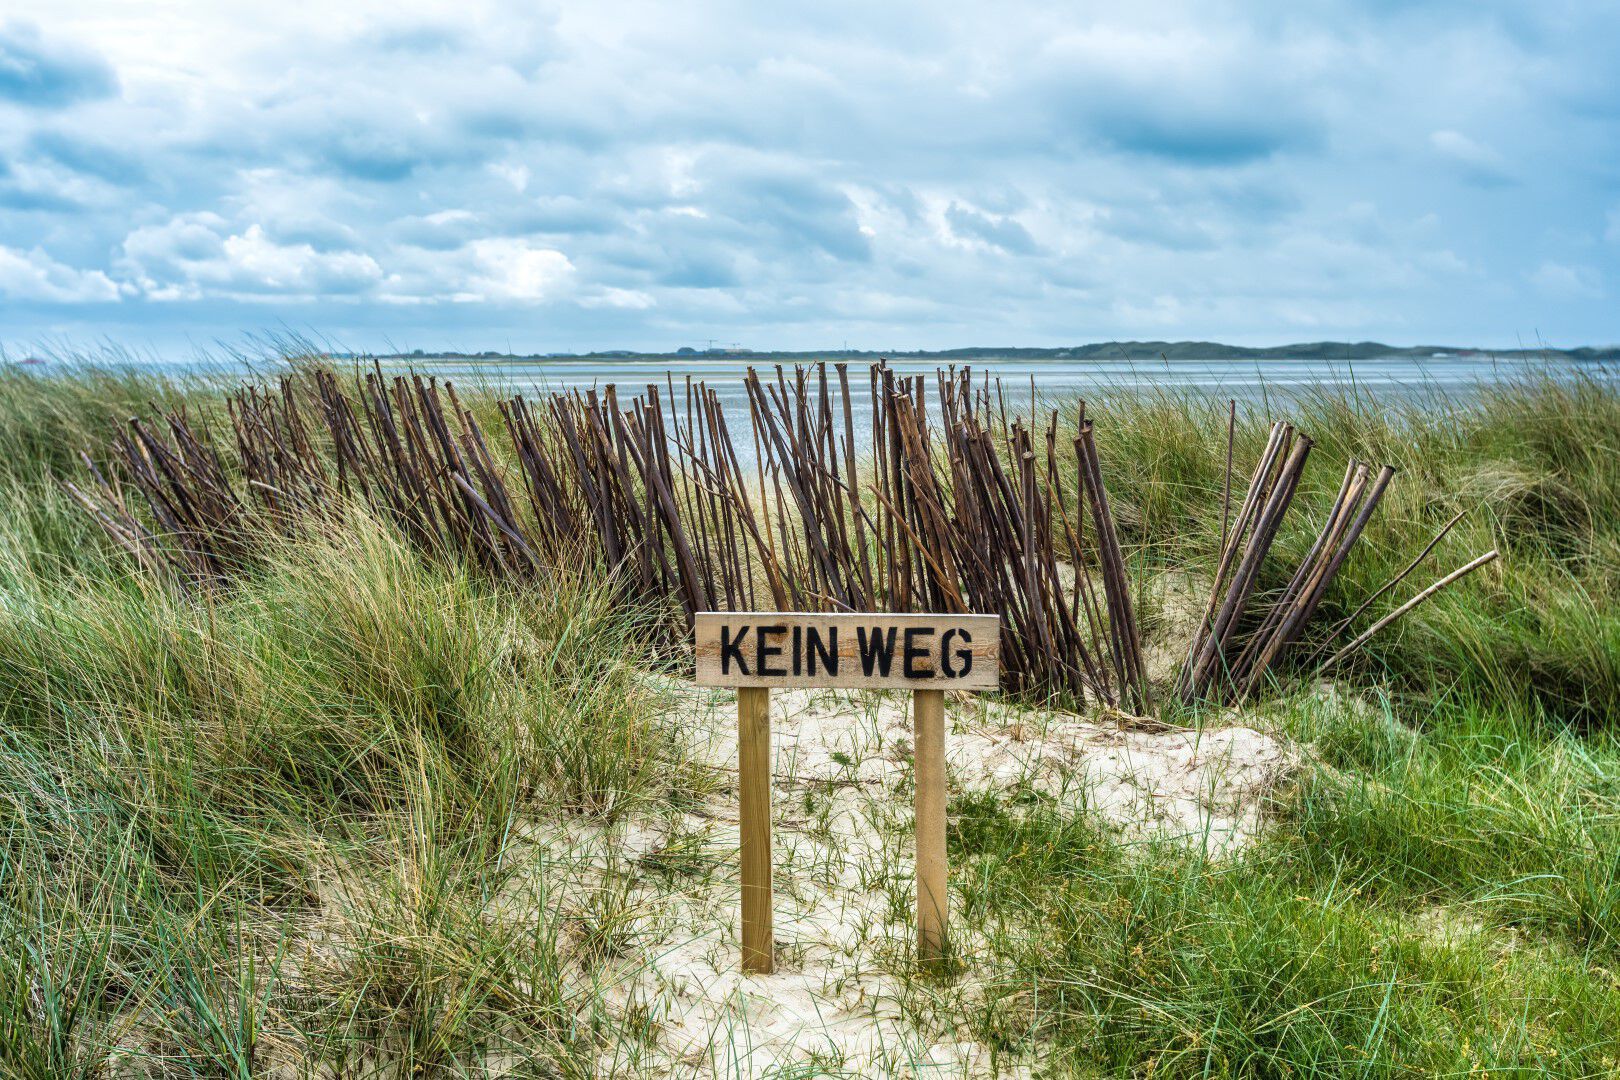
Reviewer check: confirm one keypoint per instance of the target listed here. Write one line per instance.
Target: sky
(538, 177)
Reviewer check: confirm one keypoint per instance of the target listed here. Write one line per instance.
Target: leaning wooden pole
(1362, 639)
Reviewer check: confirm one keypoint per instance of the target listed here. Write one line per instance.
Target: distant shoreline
(1135, 351)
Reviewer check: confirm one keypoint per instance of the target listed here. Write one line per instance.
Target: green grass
(329, 821)
(1532, 461)
(1275, 964)
(288, 825)
(1516, 826)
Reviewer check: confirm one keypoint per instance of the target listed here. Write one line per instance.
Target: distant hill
(1112, 350)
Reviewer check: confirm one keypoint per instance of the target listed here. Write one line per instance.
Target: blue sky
(646, 175)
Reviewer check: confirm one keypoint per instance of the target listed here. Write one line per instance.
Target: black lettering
(916, 652)
(798, 650)
(965, 655)
(827, 651)
(875, 650)
(763, 652)
(731, 647)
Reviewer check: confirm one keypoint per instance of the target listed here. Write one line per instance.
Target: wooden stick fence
(953, 507)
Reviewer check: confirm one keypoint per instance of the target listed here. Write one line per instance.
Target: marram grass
(278, 825)
(1532, 465)
(320, 824)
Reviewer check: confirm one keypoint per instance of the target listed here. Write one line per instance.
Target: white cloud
(34, 275)
(516, 270)
(623, 299)
(516, 175)
(296, 267)
(194, 255)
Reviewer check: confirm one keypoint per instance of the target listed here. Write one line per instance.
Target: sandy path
(843, 873)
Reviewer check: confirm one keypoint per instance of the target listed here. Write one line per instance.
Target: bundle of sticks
(1230, 657)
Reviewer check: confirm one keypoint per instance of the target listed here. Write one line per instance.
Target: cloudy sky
(544, 177)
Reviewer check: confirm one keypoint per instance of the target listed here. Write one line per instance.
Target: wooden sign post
(926, 654)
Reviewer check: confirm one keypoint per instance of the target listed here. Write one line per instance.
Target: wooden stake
(928, 740)
(754, 795)
(1461, 571)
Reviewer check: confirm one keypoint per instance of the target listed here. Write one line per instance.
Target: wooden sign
(857, 652)
(926, 654)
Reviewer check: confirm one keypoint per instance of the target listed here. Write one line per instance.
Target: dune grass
(1277, 963)
(289, 826)
(1532, 464)
(320, 824)
(295, 816)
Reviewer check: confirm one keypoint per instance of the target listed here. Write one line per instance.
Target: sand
(835, 1005)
